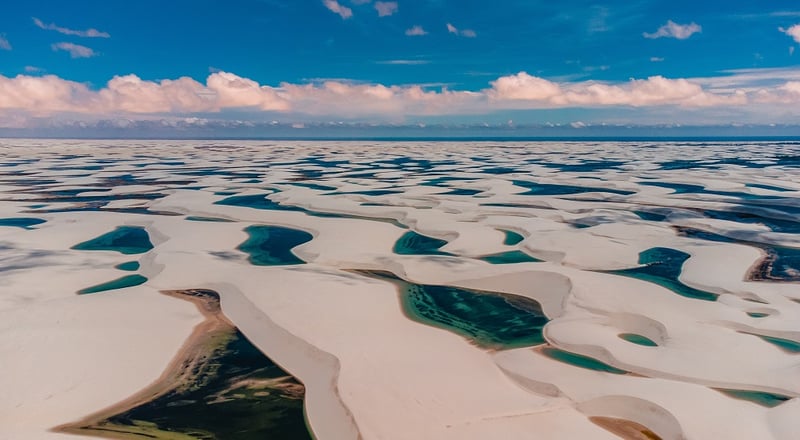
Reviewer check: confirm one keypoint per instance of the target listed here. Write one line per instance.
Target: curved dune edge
(316, 369)
(626, 429)
(204, 338)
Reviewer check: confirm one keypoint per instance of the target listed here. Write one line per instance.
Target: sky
(305, 64)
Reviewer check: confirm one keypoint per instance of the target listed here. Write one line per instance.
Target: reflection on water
(662, 266)
(222, 388)
(489, 319)
(272, 245)
(125, 239)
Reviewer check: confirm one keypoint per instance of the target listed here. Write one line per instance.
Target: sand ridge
(588, 211)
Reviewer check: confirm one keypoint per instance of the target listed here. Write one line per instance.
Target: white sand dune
(588, 211)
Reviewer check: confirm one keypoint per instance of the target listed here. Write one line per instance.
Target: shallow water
(510, 257)
(124, 239)
(413, 243)
(119, 283)
(272, 245)
(488, 319)
(662, 266)
(21, 222)
(231, 391)
(580, 361)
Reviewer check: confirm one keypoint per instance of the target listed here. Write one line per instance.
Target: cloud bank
(52, 96)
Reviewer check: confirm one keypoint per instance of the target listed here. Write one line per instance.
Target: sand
(369, 370)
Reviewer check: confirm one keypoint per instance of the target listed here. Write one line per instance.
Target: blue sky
(718, 48)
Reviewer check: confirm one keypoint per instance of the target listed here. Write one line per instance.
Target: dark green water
(662, 266)
(512, 238)
(412, 243)
(581, 361)
(510, 257)
(240, 394)
(21, 222)
(786, 345)
(125, 239)
(638, 339)
(489, 319)
(130, 266)
(764, 399)
(272, 245)
(119, 283)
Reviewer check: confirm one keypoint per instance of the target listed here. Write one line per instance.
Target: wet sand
(193, 368)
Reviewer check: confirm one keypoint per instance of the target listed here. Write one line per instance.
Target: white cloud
(656, 59)
(336, 8)
(235, 91)
(416, 31)
(526, 91)
(791, 50)
(792, 31)
(524, 87)
(89, 33)
(469, 33)
(385, 9)
(75, 50)
(49, 95)
(33, 69)
(675, 30)
(4, 44)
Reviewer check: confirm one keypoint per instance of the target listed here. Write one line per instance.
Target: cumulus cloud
(787, 94)
(675, 30)
(234, 91)
(88, 33)
(48, 95)
(654, 91)
(415, 31)
(524, 87)
(792, 31)
(336, 8)
(358, 100)
(4, 44)
(75, 50)
(469, 33)
(385, 9)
